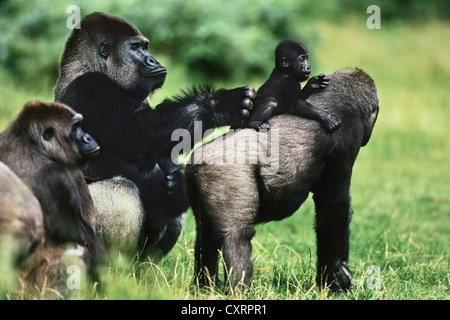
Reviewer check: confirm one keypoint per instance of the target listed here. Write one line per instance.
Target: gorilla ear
(104, 49)
(284, 62)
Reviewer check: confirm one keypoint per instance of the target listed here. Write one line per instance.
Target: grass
(400, 187)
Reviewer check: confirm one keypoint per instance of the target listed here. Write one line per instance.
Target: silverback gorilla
(106, 74)
(229, 199)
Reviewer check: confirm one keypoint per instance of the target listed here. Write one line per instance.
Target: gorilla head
(291, 58)
(54, 131)
(281, 93)
(114, 47)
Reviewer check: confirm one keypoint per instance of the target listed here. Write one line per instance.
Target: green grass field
(400, 188)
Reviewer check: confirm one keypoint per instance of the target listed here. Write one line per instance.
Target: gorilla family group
(67, 197)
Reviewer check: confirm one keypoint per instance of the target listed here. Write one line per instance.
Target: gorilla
(281, 93)
(21, 219)
(230, 199)
(106, 74)
(46, 147)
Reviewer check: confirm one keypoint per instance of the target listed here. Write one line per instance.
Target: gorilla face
(300, 67)
(110, 45)
(55, 130)
(132, 67)
(291, 58)
(88, 148)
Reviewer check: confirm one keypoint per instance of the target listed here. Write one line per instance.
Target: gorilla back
(229, 200)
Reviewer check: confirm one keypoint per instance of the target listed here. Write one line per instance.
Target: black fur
(136, 139)
(281, 93)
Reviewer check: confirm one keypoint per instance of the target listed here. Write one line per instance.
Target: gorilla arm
(65, 219)
(66, 198)
(129, 122)
(213, 108)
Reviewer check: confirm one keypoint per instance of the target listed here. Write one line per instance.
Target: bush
(231, 41)
(213, 40)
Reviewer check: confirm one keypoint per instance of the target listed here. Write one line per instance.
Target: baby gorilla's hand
(315, 84)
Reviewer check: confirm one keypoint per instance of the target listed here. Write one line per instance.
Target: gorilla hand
(240, 102)
(162, 192)
(315, 84)
(173, 184)
(173, 176)
(249, 96)
(339, 277)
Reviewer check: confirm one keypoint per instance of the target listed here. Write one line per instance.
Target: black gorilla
(281, 93)
(229, 199)
(107, 74)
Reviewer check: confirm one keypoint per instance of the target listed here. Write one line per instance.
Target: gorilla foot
(259, 125)
(331, 123)
(264, 126)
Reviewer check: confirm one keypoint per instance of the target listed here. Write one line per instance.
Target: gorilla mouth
(92, 152)
(158, 72)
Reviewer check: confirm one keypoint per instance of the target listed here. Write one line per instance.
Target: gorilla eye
(49, 133)
(104, 49)
(76, 124)
(139, 45)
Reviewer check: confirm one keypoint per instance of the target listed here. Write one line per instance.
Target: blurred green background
(401, 182)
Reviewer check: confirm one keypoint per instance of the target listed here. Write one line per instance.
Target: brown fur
(50, 168)
(21, 220)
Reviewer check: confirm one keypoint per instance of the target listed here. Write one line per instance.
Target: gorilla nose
(87, 138)
(308, 68)
(149, 60)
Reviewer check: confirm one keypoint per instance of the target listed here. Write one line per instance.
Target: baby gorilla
(281, 93)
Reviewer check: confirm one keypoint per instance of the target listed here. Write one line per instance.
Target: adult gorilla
(106, 74)
(230, 199)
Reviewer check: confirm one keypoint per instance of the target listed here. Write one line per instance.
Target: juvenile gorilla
(106, 73)
(281, 93)
(46, 147)
(228, 200)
